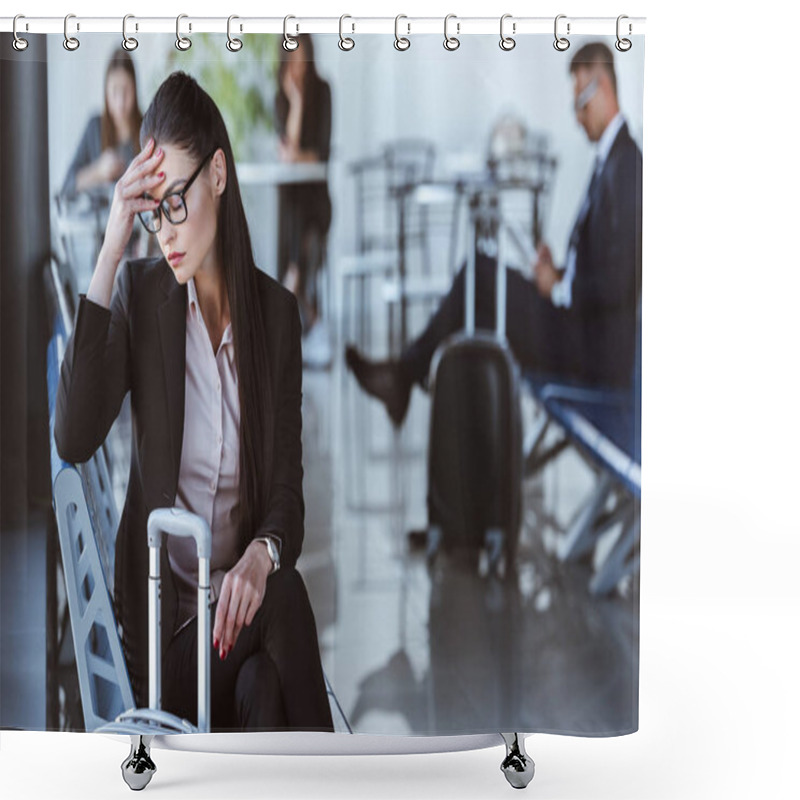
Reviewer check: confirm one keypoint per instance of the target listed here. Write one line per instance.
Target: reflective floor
(448, 651)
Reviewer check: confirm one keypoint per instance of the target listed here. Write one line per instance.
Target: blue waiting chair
(605, 425)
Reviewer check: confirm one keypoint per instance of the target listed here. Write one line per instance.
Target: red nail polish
(224, 654)
(216, 643)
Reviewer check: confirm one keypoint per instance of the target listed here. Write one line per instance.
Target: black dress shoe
(385, 380)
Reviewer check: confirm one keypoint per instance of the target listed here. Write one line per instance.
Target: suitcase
(138, 768)
(475, 450)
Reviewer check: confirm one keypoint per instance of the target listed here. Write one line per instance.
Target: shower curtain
(382, 185)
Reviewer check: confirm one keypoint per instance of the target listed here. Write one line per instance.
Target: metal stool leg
(518, 766)
(138, 768)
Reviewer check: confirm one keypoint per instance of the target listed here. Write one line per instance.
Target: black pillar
(24, 434)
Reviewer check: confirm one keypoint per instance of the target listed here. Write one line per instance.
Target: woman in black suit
(132, 333)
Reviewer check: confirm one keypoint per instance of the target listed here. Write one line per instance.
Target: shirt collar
(192, 291)
(194, 308)
(607, 138)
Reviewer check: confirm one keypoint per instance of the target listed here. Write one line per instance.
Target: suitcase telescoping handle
(178, 522)
(486, 224)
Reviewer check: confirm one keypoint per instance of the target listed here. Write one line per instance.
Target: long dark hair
(312, 83)
(183, 114)
(108, 131)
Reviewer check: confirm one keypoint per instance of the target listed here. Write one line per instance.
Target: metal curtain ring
(128, 42)
(401, 42)
(233, 44)
(345, 42)
(451, 42)
(289, 42)
(182, 43)
(561, 44)
(506, 42)
(623, 45)
(70, 42)
(18, 43)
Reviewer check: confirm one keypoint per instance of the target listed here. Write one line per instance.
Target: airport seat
(87, 522)
(605, 425)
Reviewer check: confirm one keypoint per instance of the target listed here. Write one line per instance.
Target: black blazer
(608, 267)
(139, 345)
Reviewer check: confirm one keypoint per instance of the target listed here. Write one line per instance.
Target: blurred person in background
(576, 320)
(303, 117)
(111, 139)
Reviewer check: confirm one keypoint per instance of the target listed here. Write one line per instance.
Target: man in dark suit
(576, 321)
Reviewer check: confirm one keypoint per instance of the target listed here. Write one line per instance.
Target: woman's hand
(292, 87)
(243, 589)
(288, 151)
(140, 177)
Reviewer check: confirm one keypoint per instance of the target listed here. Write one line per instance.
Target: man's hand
(242, 592)
(545, 274)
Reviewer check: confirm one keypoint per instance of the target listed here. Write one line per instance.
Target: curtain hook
(506, 42)
(18, 43)
(128, 42)
(401, 42)
(183, 43)
(561, 44)
(70, 42)
(345, 42)
(233, 44)
(289, 42)
(623, 45)
(451, 43)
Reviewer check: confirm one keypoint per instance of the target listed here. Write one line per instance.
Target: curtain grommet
(128, 42)
(18, 43)
(182, 43)
(233, 44)
(561, 43)
(622, 44)
(451, 43)
(346, 44)
(290, 44)
(507, 43)
(71, 43)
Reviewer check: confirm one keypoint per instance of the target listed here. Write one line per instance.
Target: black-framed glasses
(172, 205)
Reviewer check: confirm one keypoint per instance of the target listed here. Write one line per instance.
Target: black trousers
(272, 678)
(541, 336)
(304, 221)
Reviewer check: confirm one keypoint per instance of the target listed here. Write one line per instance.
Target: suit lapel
(172, 330)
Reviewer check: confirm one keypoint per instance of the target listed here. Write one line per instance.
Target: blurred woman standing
(303, 115)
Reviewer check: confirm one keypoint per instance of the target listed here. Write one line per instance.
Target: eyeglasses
(585, 95)
(172, 205)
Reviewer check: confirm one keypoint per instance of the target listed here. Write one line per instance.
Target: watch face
(273, 553)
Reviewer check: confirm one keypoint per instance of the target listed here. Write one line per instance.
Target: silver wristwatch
(273, 551)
